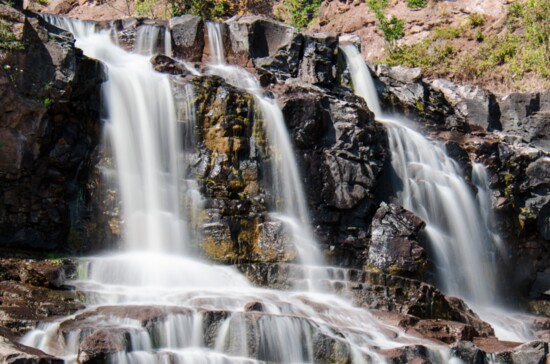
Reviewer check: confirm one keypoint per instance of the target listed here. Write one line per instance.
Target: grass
(8, 40)
(516, 58)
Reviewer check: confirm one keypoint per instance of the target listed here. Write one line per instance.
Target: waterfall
(287, 185)
(155, 302)
(457, 223)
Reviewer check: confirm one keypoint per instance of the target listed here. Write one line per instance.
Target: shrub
(299, 13)
(417, 4)
(476, 19)
(392, 29)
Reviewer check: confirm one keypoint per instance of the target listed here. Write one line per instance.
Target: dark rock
(14, 353)
(514, 353)
(187, 37)
(272, 46)
(165, 64)
(336, 139)
(50, 125)
(318, 64)
(38, 273)
(472, 104)
(468, 352)
(394, 246)
(97, 347)
(528, 116)
(446, 331)
(407, 354)
(22, 306)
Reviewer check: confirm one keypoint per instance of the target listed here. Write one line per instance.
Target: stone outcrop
(394, 247)
(49, 126)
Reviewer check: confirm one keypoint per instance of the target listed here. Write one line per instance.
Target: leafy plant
(476, 19)
(301, 12)
(417, 4)
(46, 102)
(8, 40)
(392, 28)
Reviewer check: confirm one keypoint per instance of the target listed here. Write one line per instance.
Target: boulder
(394, 246)
(446, 331)
(14, 353)
(528, 116)
(165, 64)
(318, 63)
(272, 46)
(472, 104)
(187, 33)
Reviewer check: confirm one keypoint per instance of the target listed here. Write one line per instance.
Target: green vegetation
(392, 28)
(8, 39)
(417, 4)
(46, 102)
(300, 12)
(518, 57)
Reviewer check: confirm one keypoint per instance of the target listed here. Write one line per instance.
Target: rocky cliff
(52, 198)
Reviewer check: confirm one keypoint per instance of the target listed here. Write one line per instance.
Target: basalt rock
(50, 125)
(337, 140)
(15, 353)
(394, 247)
(528, 116)
(187, 37)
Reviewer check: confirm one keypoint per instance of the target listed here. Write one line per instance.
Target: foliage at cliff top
(298, 13)
(516, 57)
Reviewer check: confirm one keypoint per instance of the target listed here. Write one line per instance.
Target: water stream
(155, 302)
(458, 223)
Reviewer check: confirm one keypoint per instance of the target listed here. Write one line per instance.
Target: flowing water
(155, 302)
(287, 187)
(458, 223)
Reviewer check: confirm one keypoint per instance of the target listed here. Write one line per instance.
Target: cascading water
(286, 184)
(457, 225)
(154, 305)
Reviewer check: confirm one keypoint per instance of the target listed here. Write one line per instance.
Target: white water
(197, 311)
(459, 225)
(287, 186)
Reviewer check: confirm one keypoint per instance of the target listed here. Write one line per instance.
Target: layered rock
(50, 125)
(394, 247)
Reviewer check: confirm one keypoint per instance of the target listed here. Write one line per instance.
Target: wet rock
(38, 273)
(468, 352)
(445, 331)
(99, 346)
(406, 354)
(336, 139)
(187, 37)
(318, 64)
(22, 306)
(165, 64)
(14, 353)
(394, 246)
(274, 243)
(514, 353)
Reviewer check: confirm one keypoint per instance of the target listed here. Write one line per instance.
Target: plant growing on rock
(417, 4)
(392, 27)
(300, 12)
(8, 40)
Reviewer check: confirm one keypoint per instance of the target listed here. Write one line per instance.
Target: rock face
(394, 246)
(187, 37)
(337, 140)
(49, 126)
